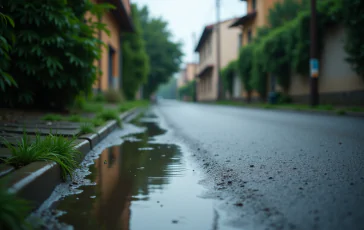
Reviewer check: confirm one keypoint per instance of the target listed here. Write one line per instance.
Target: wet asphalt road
(288, 170)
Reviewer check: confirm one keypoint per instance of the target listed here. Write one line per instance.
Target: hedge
(286, 49)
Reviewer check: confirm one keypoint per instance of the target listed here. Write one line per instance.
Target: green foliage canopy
(135, 59)
(54, 52)
(165, 55)
(227, 74)
(284, 48)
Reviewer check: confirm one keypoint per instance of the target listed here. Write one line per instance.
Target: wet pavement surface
(144, 180)
(288, 170)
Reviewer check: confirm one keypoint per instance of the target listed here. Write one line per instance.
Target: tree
(165, 55)
(135, 59)
(285, 11)
(54, 52)
(6, 41)
(353, 21)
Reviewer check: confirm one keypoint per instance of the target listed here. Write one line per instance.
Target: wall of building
(337, 79)
(191, 71)
(126, 4)
(229, 50)
(114, 41)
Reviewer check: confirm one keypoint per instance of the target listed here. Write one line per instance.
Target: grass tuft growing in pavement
(75, 118)
(50, 148)
(87, 128)
(108, 115)
(13, 210)
(97, 121)
(52, 117)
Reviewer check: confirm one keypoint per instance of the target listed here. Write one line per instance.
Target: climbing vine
(285, 48)
(228, 73)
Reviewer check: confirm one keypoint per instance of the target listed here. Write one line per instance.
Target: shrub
(7, 39)
(244, 67)
(53, 57)
(188, 90)
(99, 97)
(227, 74)
(135, 57)
(113, 96)
(13, 210)
(283, 98)
(52, 148)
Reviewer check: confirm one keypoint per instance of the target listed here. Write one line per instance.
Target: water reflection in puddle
(139, 186)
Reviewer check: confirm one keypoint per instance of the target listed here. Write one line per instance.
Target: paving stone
(41, 124)
(42, 131)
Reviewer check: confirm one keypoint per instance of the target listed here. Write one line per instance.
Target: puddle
(140, 185)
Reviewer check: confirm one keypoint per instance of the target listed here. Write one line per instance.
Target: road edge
(35, 182)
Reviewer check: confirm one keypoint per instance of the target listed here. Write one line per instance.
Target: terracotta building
(118, 21)
(207, 73)
(257, 16)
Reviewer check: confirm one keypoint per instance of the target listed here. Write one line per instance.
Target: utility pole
(314, 63)
(220, 90)
(195, 67)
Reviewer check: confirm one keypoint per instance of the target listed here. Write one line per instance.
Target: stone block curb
(36, 181)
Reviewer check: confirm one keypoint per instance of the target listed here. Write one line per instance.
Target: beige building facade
(207, 72)
(338, 83)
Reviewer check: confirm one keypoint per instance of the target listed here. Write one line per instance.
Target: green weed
(87, 128)
(97, 122)
(13, 211)
(52, 117)
(108, 115)
(99, 98)
(75, 118)
(93, 107)
(51, 148)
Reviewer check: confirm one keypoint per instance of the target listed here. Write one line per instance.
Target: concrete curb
(36, 181)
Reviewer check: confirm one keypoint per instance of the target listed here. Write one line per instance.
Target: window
(249, 36)
(254, 4)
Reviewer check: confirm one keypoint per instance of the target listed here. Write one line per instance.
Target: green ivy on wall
(285, 48)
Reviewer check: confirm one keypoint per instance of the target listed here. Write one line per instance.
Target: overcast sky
(186, 17)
